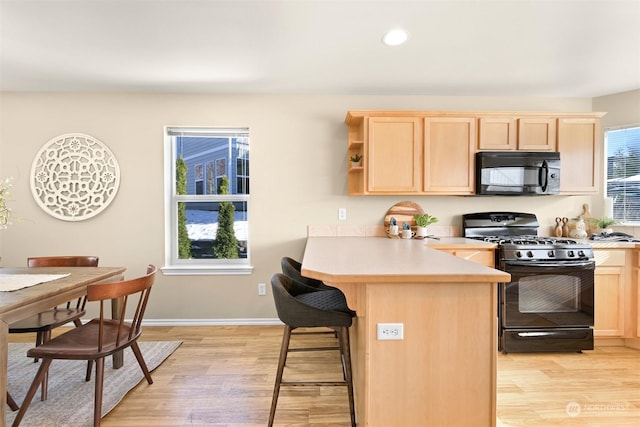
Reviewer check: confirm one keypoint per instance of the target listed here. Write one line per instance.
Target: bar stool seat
(300, 306)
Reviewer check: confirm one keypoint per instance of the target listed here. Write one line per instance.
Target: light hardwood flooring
(224, 375)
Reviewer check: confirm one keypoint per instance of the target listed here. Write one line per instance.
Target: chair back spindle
(139, 288)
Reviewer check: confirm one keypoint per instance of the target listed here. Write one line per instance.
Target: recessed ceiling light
(395, 37)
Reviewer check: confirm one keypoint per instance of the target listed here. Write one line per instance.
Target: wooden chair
(12, 403)
(43, 323)
(99, 338)
(299, 306)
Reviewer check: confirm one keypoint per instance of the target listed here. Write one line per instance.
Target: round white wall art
(74, 177)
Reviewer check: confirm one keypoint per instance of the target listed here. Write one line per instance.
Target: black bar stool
(301, 306)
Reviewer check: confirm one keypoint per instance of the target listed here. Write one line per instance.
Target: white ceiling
(548, 48)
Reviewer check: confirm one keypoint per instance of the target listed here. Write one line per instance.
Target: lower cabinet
(612, 293)
(609, 302)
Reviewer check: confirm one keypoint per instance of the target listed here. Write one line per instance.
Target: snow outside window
(206, 201)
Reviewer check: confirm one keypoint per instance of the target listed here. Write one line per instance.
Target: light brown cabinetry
(611, 293)
(497, 133)
(513, 133)
(449, 149)
(579, 142)
(355, 141)
(432, 152)
(394, 155)
(537, 133)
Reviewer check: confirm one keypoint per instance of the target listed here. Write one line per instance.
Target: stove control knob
(551, 254)
(530, 254)
(571, 254)
(581, 254)
(518, 254)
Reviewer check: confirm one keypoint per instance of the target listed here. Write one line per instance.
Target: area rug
(70, 398)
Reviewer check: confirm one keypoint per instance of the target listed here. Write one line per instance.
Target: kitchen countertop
(379, 259)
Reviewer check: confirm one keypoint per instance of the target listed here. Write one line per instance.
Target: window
(623, 172)
(199, 177)
(206, 201)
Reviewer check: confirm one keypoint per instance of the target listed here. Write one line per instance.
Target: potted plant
(422, 222)
(603, 224)
(356, 160)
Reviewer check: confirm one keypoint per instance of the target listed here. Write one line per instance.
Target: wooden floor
(223, 376)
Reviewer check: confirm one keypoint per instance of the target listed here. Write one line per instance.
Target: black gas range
(517, 237)
(548, 305)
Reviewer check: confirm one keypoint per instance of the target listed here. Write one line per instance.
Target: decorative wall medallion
(74, 177)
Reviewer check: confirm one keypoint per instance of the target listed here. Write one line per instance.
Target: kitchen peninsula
(443, 371)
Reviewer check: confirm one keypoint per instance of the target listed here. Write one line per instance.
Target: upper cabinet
(517, 133)
(537, 133)
(579, 142)
(393, 155)
(432, 152)
(497, 133)
(449, 152)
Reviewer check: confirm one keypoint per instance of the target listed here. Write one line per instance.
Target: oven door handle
(582, 334)
(586, 264)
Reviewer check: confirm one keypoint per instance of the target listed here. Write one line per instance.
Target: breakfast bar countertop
(379, 259)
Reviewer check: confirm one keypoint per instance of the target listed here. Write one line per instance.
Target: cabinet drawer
(610, 257)
(481, 256)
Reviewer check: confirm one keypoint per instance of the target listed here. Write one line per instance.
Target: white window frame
(606, 174)
(174, 265)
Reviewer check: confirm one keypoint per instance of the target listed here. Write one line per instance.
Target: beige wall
(298, 177)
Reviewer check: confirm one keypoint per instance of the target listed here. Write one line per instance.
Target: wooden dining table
(22, 303)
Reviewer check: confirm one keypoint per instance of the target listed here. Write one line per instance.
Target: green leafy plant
(184, 243)
(424, 220)
(604, 222)
(356, 158)
(226, 244)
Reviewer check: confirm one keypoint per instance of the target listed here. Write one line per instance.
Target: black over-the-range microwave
(516, 173)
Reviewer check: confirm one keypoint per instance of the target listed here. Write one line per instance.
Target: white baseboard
(211, 322)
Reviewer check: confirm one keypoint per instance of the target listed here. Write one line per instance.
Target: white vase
(421, 231)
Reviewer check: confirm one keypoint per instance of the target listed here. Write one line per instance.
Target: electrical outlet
(342, 214)
(262, 289)
(390, 331)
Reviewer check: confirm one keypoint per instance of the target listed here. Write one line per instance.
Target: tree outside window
(207, 201)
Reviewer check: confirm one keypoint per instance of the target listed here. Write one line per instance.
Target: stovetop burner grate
(526, 240)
